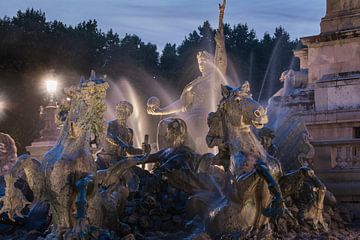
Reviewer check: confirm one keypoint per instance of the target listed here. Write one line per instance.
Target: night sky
(162, 21)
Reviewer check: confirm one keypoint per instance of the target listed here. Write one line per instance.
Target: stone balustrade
(345, 153)
(342, 177)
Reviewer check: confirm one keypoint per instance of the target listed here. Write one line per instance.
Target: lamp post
(50, 132)
(47, 113)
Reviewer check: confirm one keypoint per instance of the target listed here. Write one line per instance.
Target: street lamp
(50, 132)
(47, 113)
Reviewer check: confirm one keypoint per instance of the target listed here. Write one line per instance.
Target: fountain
(239, 201)
(92, 185)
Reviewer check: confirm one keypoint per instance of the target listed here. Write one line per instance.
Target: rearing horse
(252, 193)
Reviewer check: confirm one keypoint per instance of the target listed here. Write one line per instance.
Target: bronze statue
(266, 136)
(201, 95)
(178, 162)
(8, 153)
(67, 177)
(118, 142)
(252, 172)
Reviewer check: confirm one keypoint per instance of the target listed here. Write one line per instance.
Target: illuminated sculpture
(119, 138)
(201, 95)
(67, 178)
(7, 153)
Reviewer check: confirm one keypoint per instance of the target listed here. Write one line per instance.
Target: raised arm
(220, 51)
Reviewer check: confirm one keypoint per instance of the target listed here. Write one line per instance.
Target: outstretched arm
(181, 105)
(111, 175)
(175, 107)
(220, 50)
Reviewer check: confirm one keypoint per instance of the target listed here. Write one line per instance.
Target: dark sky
(162, 21)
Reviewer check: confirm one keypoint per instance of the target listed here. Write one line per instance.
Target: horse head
(241, 109)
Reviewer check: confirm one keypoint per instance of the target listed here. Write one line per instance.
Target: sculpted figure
(292, 80)
(7, 153)
(119, 138)
(296, 153)
(300, 182)
(83, 201)
(62, 112)
(266, 138)
(200, 96)
(218, 134)
(178, 158)
(294, 90)
(250, 167)
(306, 151)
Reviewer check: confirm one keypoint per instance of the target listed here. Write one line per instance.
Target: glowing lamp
(51, 86)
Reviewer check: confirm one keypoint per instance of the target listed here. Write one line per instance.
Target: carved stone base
(37, 149)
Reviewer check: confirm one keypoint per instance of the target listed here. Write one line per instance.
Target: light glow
(2, 107)
(51, 86)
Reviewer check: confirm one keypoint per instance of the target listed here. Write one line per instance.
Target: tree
(169, 63)
(207, 35)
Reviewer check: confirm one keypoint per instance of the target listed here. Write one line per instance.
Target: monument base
(38, 149)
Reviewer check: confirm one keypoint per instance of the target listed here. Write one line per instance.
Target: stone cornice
(339, 15)
(331, 38)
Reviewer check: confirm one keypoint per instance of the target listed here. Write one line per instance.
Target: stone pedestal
(332, 53)
(49, 133)
(38, 148)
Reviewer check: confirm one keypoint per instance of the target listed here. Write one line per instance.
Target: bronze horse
(252, 194)
(253, 182)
